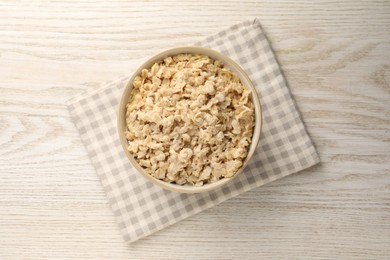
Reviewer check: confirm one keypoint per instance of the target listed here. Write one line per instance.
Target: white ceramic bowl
(234, 67)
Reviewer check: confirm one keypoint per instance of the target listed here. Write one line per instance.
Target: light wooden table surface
(335, 56)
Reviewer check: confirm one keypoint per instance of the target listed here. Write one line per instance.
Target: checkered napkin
(142, 208)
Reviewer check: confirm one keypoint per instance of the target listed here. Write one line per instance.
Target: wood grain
(335, 56)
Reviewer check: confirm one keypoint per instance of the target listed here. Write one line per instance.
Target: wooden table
(335, 56)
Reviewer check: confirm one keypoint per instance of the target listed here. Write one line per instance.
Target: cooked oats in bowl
(189, 120)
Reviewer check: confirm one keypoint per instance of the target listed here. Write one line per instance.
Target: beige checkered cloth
(140, 207)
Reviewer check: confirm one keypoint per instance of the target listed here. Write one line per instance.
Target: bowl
(229, 63)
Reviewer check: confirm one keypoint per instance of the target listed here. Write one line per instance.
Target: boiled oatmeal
(189, 120)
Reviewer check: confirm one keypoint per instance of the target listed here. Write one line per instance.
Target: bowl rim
(227, 61)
